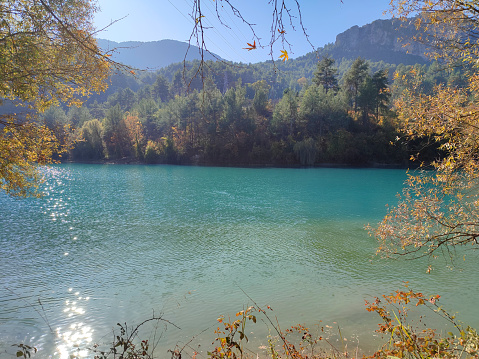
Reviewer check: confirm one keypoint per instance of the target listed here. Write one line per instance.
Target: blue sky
(152, 20)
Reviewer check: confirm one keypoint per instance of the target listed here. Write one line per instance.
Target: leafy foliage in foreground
(404, 340)
(48, 56)
(403, 335)
(21, 145)
(438, 210)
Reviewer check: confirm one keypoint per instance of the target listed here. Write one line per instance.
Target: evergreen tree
(260, 100)
(160, 89)
(366, 99)
(310, 110)
(285, 114)
(382, 94)
(177, 85)
(326, 74)
(354, 78)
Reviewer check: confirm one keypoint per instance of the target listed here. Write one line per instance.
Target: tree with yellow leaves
(439, 206)
(135, 132)
(47, 55)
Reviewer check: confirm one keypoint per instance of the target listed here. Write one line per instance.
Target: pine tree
(326, 74)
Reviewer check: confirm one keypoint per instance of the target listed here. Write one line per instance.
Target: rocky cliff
(383, 40)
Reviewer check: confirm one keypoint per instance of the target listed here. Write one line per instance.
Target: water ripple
(111, 244)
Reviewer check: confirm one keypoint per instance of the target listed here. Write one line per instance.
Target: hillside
(152, 55)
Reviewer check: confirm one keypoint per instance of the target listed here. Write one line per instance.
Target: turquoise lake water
(113, 243)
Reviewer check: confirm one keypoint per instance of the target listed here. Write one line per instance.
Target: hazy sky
(152, 20)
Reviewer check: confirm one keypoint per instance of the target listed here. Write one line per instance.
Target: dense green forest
(308, 111)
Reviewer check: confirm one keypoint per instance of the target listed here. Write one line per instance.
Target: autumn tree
(20, 147)
(135, 133)
(439, 209)
(48, 55)
(115, 134)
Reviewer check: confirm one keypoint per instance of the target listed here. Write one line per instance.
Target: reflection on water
(113, 244)
(76, 337)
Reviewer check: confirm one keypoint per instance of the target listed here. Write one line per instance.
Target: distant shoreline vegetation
(134, 161)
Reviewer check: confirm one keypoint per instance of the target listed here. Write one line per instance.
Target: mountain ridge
(388, 40)
(152, 55)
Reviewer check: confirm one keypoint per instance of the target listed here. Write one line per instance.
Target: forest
(248, 115)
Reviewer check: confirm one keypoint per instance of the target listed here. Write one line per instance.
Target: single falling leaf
(132, 72)
(284, 55)
(251, 46)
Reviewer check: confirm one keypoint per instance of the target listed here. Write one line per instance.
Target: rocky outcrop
(388, 40)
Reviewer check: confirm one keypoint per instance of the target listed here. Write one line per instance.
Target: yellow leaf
(284, 55)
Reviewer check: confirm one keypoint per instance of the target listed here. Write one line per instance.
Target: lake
(117, 243)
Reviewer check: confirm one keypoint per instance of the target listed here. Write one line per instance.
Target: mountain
(390, 41)
(152, 55)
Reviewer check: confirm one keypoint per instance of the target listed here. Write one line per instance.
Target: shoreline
(134, 161)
